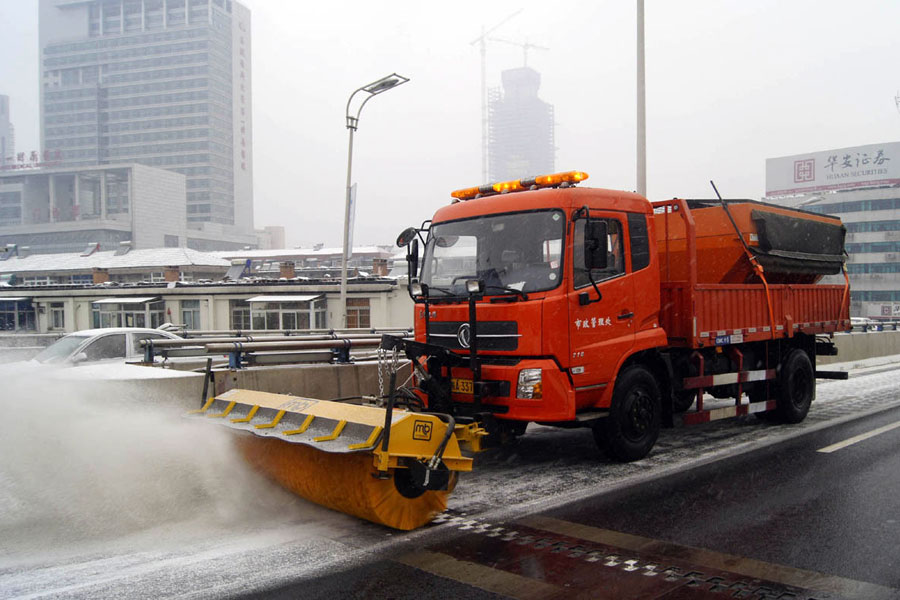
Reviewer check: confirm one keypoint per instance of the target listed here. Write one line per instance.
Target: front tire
(632, 427)
(796, 387)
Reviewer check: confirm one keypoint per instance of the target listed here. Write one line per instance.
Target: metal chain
(382, 359)
(390, 367)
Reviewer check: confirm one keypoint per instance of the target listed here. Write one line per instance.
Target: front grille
(492, 335)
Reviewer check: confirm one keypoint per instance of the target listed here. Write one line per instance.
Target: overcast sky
(729, 84)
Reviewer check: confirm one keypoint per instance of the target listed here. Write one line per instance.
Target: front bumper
(557, 402)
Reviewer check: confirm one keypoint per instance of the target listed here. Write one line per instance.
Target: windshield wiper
(507, 288)
(442, 290)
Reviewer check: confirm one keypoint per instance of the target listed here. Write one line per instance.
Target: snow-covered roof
(288, 253)
(147, 258)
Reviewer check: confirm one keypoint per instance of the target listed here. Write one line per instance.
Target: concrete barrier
(320, 381)
(859, 346)
(183, 390)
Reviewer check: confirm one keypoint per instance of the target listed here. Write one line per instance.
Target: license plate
(461, 386)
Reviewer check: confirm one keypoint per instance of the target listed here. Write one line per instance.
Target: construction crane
(525, 46)
(481, 41)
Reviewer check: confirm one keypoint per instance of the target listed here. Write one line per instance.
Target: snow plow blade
(395, 471)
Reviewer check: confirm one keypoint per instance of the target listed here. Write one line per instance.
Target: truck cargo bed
(721, 314)
(696, 312)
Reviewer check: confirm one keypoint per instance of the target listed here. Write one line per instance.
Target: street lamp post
(641, 106)
(372, 89)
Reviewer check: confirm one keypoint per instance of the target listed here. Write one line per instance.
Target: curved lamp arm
(372, 89)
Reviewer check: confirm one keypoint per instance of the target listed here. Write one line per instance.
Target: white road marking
(858, 438)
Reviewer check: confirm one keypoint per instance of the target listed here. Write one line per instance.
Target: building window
(157, 277)
(170, 241)
(10, 207)
(81, 279)
(57, 315)
(129, 315)
(16, 315)
(288, 315)
(36, 280)
(358, 313)
(190, 314)
(240, 314)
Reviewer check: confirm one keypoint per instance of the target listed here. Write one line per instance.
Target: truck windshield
(511, 253)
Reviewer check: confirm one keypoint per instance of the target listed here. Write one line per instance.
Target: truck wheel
(684, 399)
(796, 387)
(631, 428)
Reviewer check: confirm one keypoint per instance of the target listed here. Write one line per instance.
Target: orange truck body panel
(715, 302)
(691, 293)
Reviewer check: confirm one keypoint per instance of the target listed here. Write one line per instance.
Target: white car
(94, 345)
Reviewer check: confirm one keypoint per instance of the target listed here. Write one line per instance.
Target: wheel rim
(639, 415)
(799, 389)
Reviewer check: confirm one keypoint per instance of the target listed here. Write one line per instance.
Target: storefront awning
(126, 300)
(306, 298)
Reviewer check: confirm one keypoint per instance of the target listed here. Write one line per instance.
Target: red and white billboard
(841, 169)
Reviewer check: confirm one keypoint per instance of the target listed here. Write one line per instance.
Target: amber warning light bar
(542, 181)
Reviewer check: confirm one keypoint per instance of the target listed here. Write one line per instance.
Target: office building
(861, 185)
(164, 83)
(54, 210)
(521, 134)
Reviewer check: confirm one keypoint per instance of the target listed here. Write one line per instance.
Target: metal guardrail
(876, 325)
(245, 350)
(231, 333)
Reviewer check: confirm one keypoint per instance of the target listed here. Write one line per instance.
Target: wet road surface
(814, 517)
(115, 502)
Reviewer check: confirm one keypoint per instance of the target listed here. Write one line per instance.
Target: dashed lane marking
(747, 567)
(858, 438)
(482, 577)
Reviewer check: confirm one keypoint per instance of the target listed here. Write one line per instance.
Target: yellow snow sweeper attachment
(389, 466)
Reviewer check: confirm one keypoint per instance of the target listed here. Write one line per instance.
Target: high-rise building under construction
(521, 140)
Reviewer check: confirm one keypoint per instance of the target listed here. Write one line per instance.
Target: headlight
(416, 290)
(530, 386)
(474, 286)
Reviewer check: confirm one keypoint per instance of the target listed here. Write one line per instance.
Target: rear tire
(760, 394)
(684, 399)
(632, 427)
(796, 387)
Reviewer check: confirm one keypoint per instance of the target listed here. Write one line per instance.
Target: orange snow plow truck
(539, 301)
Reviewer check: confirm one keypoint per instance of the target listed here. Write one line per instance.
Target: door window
(615, 259)
(109, 346)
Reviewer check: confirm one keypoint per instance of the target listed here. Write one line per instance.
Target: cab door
(600, 332)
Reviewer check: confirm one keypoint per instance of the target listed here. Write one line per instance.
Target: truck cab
(550, 332)
(540, 301)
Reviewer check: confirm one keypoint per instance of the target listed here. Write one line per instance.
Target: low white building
(146, 288)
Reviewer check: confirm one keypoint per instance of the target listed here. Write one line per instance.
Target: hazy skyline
(729, 84)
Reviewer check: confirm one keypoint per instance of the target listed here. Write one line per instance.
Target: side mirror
(412, 259)
(80, 358)
(406, 236)
(595, 245)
